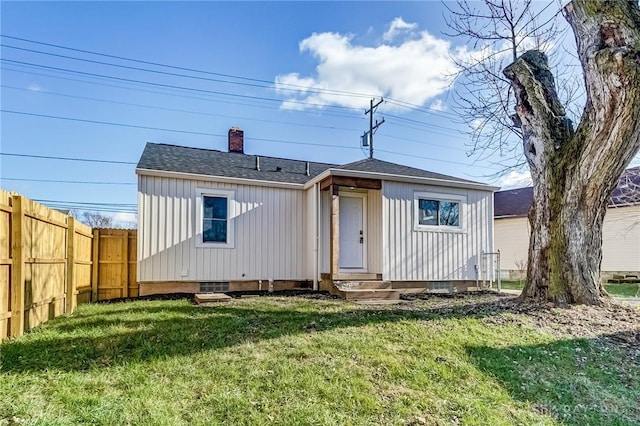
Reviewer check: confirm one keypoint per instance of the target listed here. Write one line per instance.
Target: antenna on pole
(367, 137)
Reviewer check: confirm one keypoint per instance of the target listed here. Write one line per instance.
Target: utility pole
(372, 127)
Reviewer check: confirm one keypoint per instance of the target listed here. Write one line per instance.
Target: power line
(169, 130)
(88, 203)
(226, 101)
(177, 110)
(211, 134)
(423, 142)
(293, 87)
(47, 157)
(262, 86)
(134, 126)
(170, 86)
(419, 108)
(435, 159)
(421, 123)
(67, 181)
(305, 88)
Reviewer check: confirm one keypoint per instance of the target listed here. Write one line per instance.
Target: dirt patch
(613, 324)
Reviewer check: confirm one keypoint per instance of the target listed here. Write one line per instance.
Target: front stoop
(211, 299)
(366, 291)
(370, 294)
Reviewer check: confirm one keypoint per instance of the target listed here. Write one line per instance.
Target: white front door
(352, 254)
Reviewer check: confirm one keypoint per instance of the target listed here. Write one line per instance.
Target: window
(437, 211)
(214, 218)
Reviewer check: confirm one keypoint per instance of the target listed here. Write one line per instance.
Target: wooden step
(356, 276)
(362, 285)
(211, 299)
(373, 285)
(370, 294)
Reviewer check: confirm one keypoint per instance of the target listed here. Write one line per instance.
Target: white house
(225, 221)
(620, 233)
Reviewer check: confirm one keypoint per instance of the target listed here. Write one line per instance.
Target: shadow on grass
(577, 381)
(129, 333)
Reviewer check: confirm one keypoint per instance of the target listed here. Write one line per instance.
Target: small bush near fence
(49, 262)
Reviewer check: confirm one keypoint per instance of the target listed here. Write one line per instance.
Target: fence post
(125, 259)
(95, 265)
(71, 300)
(18, 267)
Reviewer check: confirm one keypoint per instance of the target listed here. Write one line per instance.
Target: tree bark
(574, 172)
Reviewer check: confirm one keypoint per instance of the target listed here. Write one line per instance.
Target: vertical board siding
(269, 233)
(309, 237)
(374, 231)
(325, 226)
(417, 255)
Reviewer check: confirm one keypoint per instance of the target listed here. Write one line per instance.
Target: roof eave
(213, 178)
(399, 178)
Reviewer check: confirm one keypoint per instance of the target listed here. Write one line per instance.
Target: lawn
(620, 290)
(298, 361)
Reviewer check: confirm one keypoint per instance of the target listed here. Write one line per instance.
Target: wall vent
(214, 287)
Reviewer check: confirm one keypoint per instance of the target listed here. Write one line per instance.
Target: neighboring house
(620, 233)
(225, 221)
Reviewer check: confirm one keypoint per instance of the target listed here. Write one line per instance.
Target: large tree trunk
(574, 172)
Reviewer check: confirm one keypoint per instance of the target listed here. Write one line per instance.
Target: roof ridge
(240, 153)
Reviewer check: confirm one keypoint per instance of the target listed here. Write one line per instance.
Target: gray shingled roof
(173, 158)
(516, 202)
(513, 202)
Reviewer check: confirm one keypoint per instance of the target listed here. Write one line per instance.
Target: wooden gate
(114, 253)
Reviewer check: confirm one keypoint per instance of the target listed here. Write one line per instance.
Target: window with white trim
(214, 218)
(438, 211)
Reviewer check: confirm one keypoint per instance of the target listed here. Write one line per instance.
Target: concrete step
(370, 294)
(211, 299)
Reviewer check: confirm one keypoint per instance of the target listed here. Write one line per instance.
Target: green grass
(294, 361)
(620, 290)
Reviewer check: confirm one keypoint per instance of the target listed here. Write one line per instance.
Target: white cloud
(34, 87)
(396, 27)
(515, 179)
(438, 105)
(126, 220)
(415, 71)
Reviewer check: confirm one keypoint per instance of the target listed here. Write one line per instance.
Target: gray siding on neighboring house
(270, 226)
(620, 240)
(420, 255)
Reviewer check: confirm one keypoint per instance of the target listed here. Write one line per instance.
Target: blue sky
(255, 50)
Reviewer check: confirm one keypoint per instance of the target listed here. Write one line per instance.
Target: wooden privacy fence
(114, 251)
(49, 262)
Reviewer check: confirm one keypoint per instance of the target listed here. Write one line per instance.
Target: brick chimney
(236, 140)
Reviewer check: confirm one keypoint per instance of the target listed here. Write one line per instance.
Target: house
(620, 233)
(229, 221)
